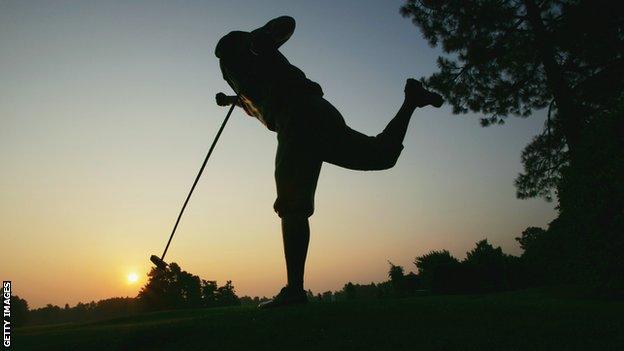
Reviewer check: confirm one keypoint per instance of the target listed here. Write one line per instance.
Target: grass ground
(529, 320)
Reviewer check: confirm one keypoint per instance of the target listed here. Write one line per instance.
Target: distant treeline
(171, 288)
(485, 269)
(83, 312)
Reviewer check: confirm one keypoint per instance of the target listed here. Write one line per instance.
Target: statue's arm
(272, 35)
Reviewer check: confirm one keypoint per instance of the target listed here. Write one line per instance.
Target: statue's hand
(224, 100)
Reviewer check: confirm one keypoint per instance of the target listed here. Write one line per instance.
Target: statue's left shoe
(414, 91)
(286, 297)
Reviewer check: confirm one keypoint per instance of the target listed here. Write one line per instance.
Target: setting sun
(133, 278)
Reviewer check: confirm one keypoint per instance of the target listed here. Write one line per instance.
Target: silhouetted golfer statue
(309, 129)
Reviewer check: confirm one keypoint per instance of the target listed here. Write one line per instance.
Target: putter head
(160, 264)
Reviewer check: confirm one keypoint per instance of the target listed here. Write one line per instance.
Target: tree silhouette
(327, 296)
(440, 272)
(350, 291)
(19, 311)
(209, 292)
(487, 267)
(160, 292)
(173, 287)
(226, 296)
(517, 56)
(530, 238)
(402, 284)
(541, 254)
(397, 278)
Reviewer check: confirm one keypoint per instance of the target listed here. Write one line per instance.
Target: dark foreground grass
(529, 320)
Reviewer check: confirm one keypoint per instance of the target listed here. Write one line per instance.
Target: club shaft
(201, 170)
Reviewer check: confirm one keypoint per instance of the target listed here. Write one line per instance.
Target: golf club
(159, 261)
